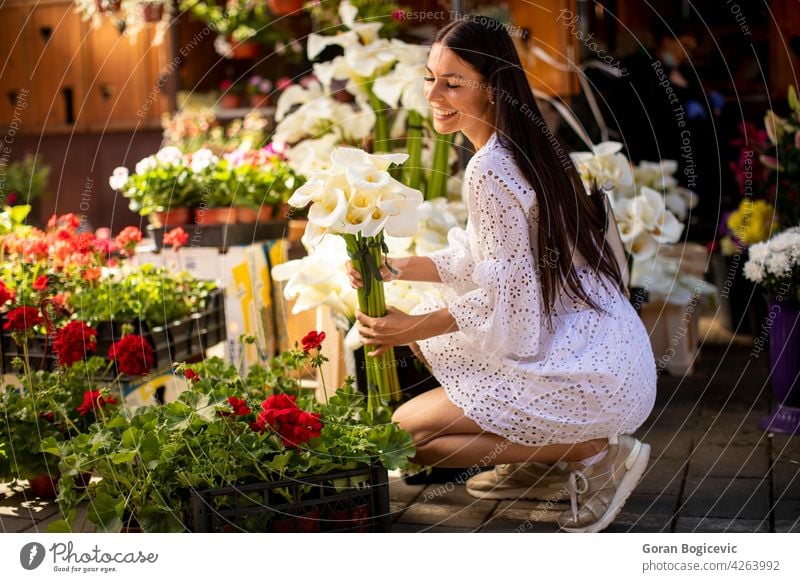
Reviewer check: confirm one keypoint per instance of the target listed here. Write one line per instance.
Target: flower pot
(230, 101)
(259, 101)
(296, 229)
(44, 486)
(153, 11)
(784, 361)
(173, 217)
(216, 215)
(247, 49)
(246, 215)
(280, 7)
(265, 213)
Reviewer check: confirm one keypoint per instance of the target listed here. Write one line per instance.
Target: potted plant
(231, 95)
(24, 182)
(227, 435)
(258, 90)
(260, 182)
(775, 266)
(166, 185)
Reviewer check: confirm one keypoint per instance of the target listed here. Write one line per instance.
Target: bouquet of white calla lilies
(358, 199)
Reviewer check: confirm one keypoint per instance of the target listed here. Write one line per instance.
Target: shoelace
(578, 485)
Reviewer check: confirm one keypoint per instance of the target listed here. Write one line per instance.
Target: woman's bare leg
(444, 437)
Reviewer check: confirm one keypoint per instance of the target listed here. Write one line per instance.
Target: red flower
(41, 283)
(92, 273)
(295, 426)
(239, 406)
(6, 294)
(73, 342)
(92, 400)
(49, 416)
(191, 375)
(22, 318)
(128, 239)
(11, 199)
(313, 340)
(176, 238)
(133, 355)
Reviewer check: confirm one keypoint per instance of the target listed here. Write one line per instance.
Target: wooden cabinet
(76, 78)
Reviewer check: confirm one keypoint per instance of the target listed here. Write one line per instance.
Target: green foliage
(148, 293)
(24, 178)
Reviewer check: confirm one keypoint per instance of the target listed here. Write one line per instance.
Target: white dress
(592, 376)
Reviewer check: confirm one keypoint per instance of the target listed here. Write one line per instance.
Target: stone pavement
(711, 470)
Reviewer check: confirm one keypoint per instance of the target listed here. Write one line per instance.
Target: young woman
(539, 353)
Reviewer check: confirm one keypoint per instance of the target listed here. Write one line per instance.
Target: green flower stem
(381, 131)
(381, 374)
(437, 186)
(412, 171)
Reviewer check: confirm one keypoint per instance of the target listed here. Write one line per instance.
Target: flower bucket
(44, 486)
(230, 101)
(784, 361)
(257, 101)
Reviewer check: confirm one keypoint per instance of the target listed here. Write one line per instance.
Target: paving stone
(450, 494)
(411, 528)
(643, 504)
(649, 522)
(14, 524)
(786, 509)
(786, 447)
(717, 460)
(23, 506)
(784, 526)
(544, 513)
(733, 428)
(399, 490)
(667, 443)
(716, 524)
(533, 505)
(506, 525)
(470, 517)
(786, 480)
(726, 498)
(662, 477)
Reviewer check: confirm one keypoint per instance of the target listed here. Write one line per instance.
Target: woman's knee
(411, 419)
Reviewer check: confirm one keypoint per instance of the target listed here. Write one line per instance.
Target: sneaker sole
(626, 487)
(530, 493)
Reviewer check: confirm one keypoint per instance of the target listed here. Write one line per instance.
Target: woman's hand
(398, 329)
(355, 276)
(393, 329)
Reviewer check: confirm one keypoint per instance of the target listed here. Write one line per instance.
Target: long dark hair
(569, 219)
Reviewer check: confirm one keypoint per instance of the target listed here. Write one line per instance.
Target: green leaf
(794, 103)
(124, 457)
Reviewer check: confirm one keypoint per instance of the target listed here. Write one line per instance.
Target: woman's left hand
(393, 329)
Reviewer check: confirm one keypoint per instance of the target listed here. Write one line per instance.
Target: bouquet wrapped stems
(437, 185)
(366, 253)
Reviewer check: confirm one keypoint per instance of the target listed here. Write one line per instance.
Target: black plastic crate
(225, 235)
(342, 501)
(178, 341)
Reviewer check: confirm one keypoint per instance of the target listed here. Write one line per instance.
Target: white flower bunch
(435, 220)
(357, 195)
(776, 262)
(659, 176)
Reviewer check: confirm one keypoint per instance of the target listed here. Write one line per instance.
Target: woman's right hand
(355, 277)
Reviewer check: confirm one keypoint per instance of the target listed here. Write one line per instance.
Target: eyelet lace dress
(589, 375)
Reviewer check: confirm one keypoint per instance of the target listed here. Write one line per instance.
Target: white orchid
(605, 166)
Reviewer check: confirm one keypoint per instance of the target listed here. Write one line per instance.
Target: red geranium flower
(11, 199)
(22, 318)
(313, 340)
(41, 283)
(239, 406)
(128, 239)
(191, 375)
(73, 342)
(295, 426)
(133, 355)
(6, 294)
(92, 400)
(176, 238)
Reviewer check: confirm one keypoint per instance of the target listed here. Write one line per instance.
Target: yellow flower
(753, 221)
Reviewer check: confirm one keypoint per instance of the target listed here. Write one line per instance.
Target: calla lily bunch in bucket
(358, 199)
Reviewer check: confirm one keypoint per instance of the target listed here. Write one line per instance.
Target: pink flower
(176, 238)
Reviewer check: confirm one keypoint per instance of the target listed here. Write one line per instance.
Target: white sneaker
(599, 491)
(521, 481)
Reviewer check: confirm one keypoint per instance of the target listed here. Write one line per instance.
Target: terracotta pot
(216, 216)
(280, 7)
(259, 101)
(153, 11)
(296, 229)
(248, 49)
(44, 486)
(265, 213)
(230, 101)
(173, 217)
(246, 215)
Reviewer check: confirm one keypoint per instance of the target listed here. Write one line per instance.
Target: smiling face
(458, 95)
